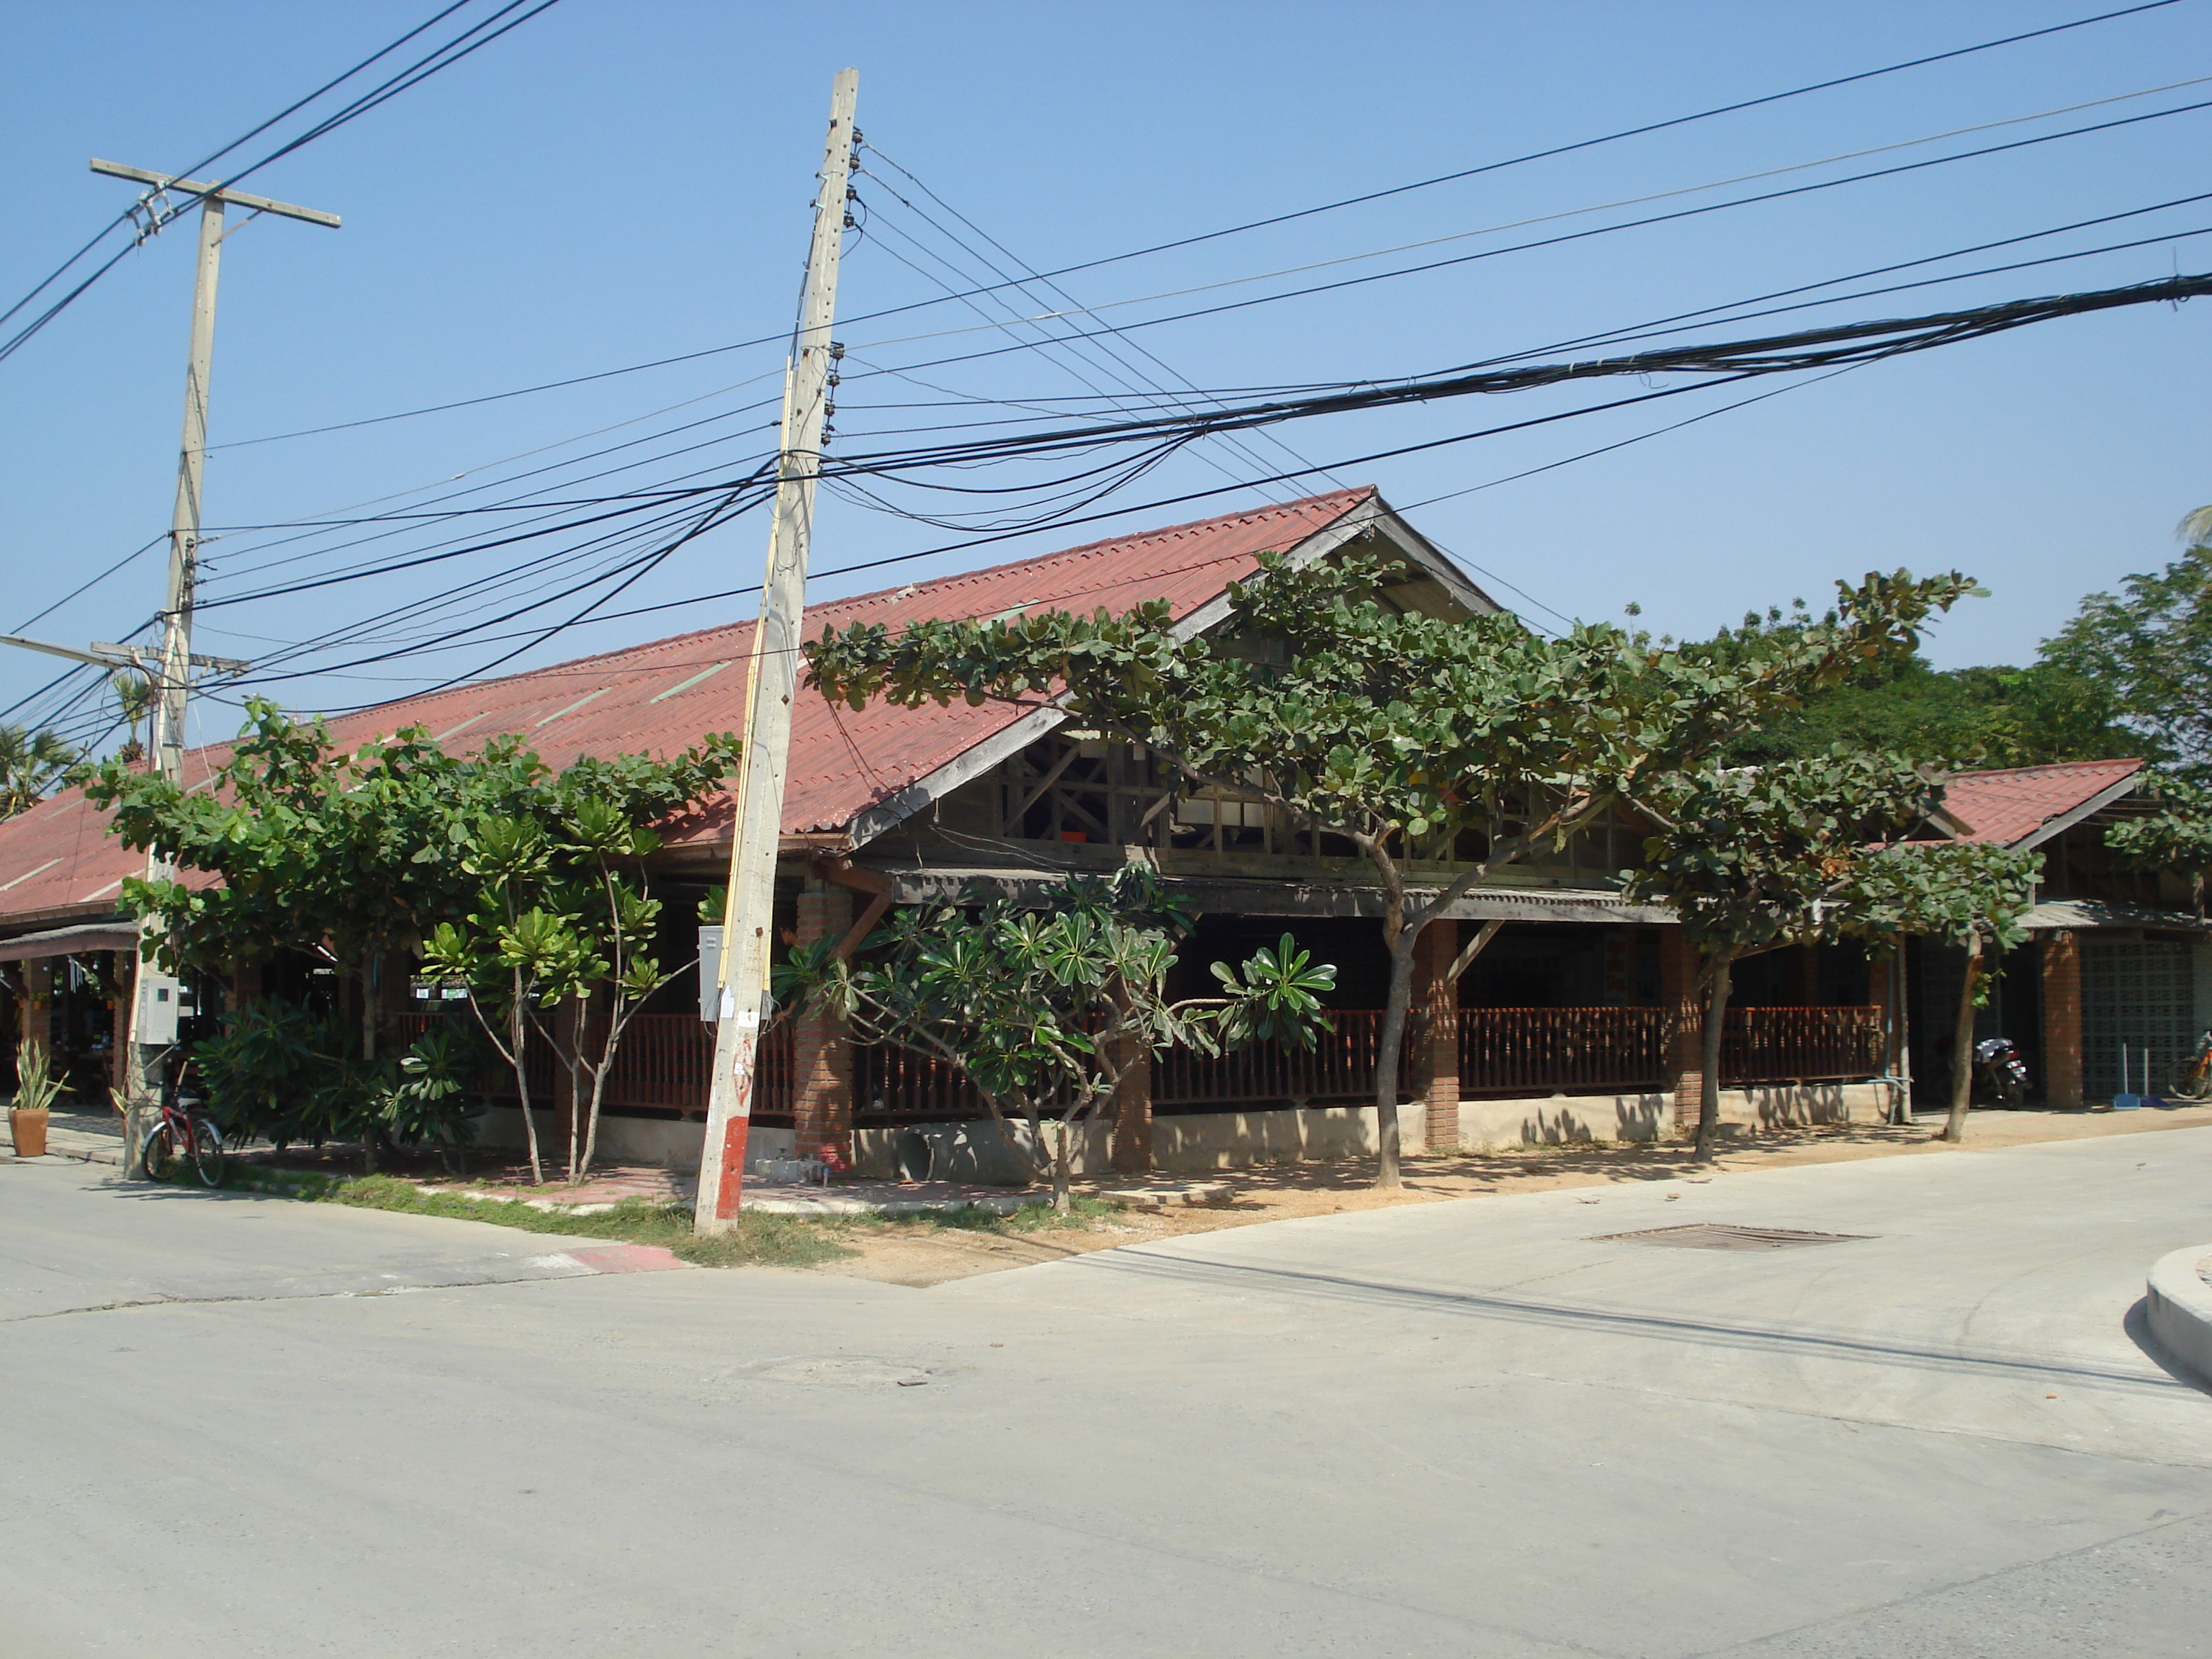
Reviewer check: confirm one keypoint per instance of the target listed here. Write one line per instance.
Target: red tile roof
(662, 695)
(2009, 806)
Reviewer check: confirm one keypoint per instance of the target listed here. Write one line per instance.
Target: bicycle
(183, 1131)
(2192, 1077)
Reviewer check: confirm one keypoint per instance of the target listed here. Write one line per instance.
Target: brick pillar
(822, 1091)
(1437, 997)
(2062, 1019)
(35, 1035)
(1133, 1109)
(1677, 990)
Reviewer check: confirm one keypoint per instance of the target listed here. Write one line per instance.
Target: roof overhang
(69, 941)
(2088, 915)
(2096, 804)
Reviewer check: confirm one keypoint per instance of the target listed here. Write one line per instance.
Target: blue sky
(612, 183)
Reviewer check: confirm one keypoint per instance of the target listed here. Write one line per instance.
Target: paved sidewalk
(89, 1137)
(610, 1187)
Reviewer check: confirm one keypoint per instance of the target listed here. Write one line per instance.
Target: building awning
(2086, 914)
(67, 941)
(1227, 895)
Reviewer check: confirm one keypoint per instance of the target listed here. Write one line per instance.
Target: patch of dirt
(920, 1254)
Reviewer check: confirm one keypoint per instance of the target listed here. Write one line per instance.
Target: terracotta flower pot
(29, 1128)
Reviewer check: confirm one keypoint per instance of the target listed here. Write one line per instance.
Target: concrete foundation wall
(1227, 1140)
(665, 1141)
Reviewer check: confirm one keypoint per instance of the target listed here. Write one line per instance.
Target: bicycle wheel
(207, 1151)
(160, 1156)
(2189, 1078)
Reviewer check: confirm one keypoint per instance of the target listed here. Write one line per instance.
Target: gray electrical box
(160, 1003)
(710, 970)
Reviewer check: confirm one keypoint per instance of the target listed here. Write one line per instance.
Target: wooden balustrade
(665, 1061)
(1507, 1051)
(1802, 1045)
(664, 1064)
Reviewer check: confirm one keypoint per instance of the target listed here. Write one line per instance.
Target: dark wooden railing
(1802, 1045)
(1543, 1050)
(664, 1063)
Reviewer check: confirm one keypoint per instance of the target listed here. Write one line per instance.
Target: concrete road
(1468, 1429)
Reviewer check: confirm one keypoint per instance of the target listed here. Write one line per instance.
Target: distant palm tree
(134, 700)
(2195, 529)
(32, 763)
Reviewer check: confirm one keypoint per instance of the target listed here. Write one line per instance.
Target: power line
(439, 58)
(1250, 225)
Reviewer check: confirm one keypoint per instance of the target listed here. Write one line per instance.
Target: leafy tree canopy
(2149, 647)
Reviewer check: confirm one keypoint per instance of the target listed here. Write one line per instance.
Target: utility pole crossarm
(200, 187)
(102, 656)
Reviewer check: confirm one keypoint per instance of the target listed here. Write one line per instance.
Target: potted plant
(35, 1088)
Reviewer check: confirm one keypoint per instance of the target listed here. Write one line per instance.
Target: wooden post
(1438, 995)
(2062, 1020)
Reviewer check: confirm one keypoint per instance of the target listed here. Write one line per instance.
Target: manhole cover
(1713, 1235)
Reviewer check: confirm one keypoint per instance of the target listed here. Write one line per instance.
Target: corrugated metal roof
(2007, 806)
(661, 696)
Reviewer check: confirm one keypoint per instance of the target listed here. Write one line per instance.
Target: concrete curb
(2180, 1311)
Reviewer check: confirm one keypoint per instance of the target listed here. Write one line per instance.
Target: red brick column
(1677, 990)
(1438, 998)
(36, 1036)
(821, 1070)
(1133, 1109)
(2062, 1019)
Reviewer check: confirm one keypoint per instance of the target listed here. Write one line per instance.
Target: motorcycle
(2000, 1072)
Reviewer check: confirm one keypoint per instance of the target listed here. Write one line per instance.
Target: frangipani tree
(1043, 1011)
(1472, 740)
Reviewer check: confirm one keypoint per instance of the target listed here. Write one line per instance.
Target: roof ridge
(2046, 766)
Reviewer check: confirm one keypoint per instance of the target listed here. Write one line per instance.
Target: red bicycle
(183, 1131)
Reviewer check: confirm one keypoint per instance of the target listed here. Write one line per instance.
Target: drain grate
(1713, 1235)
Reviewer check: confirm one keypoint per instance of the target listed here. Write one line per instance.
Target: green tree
(362, 855)
(1755, 859)
(562, 916)
(32, 765)
(1964, 893)
(2176, 836)
(1044, 1010)
(1964, 717)
(1411, 736)
(2149, 647)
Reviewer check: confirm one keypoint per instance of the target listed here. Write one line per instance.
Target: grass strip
(757, 1240)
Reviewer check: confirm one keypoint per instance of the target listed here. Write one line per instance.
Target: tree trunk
(1389, 1057)
(1060, 1168)
(368, 1130)
(518, 1035)
(1962, 1047)
(1709, 1090)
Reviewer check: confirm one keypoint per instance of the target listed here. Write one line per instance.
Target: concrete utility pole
(171, 682)
(748, 931)
(154, 1003)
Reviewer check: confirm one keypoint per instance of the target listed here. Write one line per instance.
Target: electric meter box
(160, 1002)
(710, 971)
